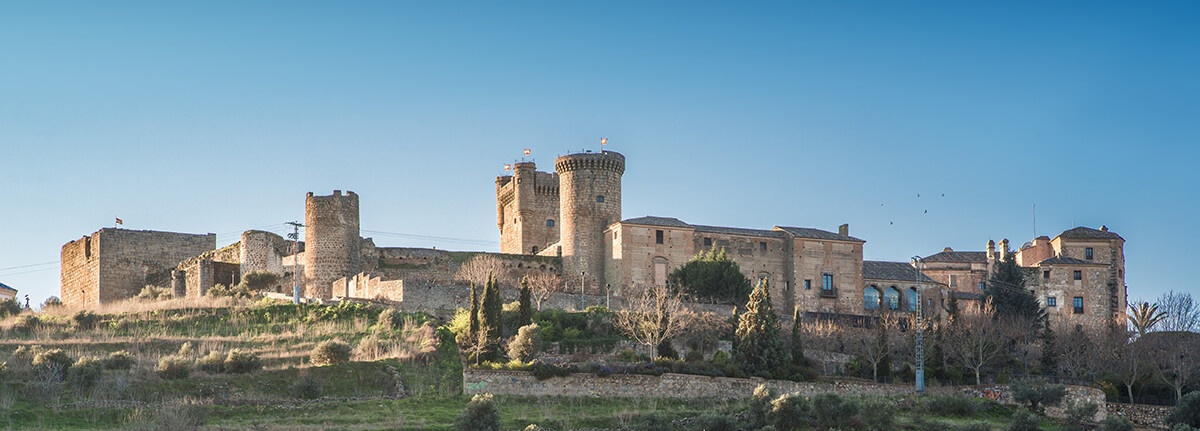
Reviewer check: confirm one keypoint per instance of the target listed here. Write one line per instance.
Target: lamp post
(582, 300)
(920, 333)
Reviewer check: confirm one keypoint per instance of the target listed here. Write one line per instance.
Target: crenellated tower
(589, 200)
(527, 209)
(331, 240)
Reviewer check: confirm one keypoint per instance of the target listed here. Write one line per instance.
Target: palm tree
(1144, 315)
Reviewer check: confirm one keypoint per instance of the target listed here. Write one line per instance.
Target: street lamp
(920, 333)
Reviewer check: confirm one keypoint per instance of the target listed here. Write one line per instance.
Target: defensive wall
(115, 264)
(523, 383)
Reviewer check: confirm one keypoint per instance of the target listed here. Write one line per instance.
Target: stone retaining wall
(1141, 414)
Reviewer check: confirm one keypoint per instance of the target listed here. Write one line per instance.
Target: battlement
(604, 160)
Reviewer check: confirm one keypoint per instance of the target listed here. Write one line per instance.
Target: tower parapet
(527, 209)
(332, 241)
(589, 200)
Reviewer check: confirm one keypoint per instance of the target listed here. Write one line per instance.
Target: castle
(569, 222)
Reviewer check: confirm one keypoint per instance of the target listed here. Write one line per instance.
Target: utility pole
(920, 333)
(582, 300)
(295, 237)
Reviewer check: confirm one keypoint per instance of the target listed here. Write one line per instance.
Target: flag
(119, 221)
(603, 141)
(527, 151)
(507, 167)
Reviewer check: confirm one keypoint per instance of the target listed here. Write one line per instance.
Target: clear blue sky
(219, 116)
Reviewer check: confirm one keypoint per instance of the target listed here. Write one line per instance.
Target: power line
(30, 265)
(433, 238)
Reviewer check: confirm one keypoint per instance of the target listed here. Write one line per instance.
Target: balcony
(827, 293)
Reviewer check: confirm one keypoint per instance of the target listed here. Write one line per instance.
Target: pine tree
(1049, 360)
(758, 349)
(1009, 296)
(525, 312)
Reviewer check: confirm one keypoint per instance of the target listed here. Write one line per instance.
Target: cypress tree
(489, 315)
(758, 349)
(798, 357)
(525, 312)
(474, 318)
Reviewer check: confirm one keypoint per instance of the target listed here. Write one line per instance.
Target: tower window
(1087, 253)
(600, 198)
(807, 284)
(708, 242)
(1046, 274)
(982, 286)
(953, 280)
(549, 222)
(1077, 302)
(1078, 275)
(658, 236)
(1051, 301)
(827, 282)
(762, 246)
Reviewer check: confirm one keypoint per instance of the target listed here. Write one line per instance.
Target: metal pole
(581, 299)
(920, 334)
(295, 236)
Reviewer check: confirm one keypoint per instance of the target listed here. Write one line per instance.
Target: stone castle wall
(589, 200)
(263, 251)
(527, 209)
(332, 239)
(123, 261)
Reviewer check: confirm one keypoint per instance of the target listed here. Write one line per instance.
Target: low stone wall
(1075, 394)
(1141, 414)
(665, 386)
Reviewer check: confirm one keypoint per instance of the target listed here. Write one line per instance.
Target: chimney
(1103, 228)
(947, 250)
(844, 230)
(991, 250)
(1004, 249)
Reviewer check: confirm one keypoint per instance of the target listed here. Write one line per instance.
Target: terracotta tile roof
(807, 232)
(901, 271)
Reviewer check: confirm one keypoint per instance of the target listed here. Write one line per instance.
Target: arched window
(535, 249)
(910, 299)
(871, 298)
(891, 297)
(549, 222)
(600, 198)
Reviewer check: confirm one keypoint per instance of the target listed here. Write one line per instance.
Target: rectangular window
(827, 280)
(953, 280)
(1078, 275)
(600, 198)
(982, 286)
(1046, 274)
(1051, 302)
(762, 246)
(1087, 253)
(708, 242)
(1077, 302)
(658, 237)
(807, 284)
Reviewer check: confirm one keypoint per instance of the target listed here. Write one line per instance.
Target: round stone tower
(331, 241)
(589, 200)
(259, 252)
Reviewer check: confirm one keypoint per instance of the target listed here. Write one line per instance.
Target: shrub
(84, 373)
(119, 360)
(878, 415)
(239, 362)
(53, 358)
(714, 422)
(27, 323)
(790, 412)
(760, 406)
(653, 421)
(9, 307)
(213, 362)
(534, 427)
(949, 405)
(389, 319)
(306, 387)
(173, 367)
(976, 426)
(186, 349)
(236, 291)
(832, 411)
(524, 345)
(330, 352)
(1024, 420)
(1184, 427)
(543, 371)
(1116, 423)
(480, 415)
(154, 293)
(693, 356)
(174, 416)
(84, 320)
(1079, 414)
(1187, 411)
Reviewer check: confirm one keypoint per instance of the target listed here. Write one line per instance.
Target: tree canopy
(1007, 289)
(757, 347)
(711, 275)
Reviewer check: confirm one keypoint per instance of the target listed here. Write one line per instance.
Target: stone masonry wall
(124, 261)
(589, 200)
(812, 259)
(525, 202)
(263, 251)
(1142, 414)
(332, 241)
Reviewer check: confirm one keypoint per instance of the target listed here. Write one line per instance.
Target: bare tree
(704, 329)
(479, 268)
(542, 285)
(1120, 358)
(826, 337)
(876, 345)
(1077, 351)
(477, 344)
(1143, 316)
(1175, 357)
(1182, 314)
(974, 339)
(653, 317)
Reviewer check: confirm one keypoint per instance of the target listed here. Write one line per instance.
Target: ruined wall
(589, 200)
(332, 239)
(124, 260)
(366, 286)
(263, 251)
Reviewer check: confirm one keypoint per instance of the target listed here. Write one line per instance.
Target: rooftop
(878, 270)
(1082, 232)
(5, 287)
(1065, 260)
(958, 257)
(807, 232)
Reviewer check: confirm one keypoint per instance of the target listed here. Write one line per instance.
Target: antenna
(1035, 220)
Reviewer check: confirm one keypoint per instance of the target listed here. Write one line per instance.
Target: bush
(239, 362)
(543, 371)
(306, 387)
(389, 319)
(653, 421)
(213, 362)
(976, 426)
(878, 415)
(1024, 420)
(1187, 411)
(1116, 423)
(949, 405)
(714, 422)
(154, 293)
(53, 358)
(1184, 427)
(84, 320)
(790, 412)
(759, 407)
(174, 416)
(330, 352)
(173, 367)
(27, 323)
(524, 345)
(84, 373)
(119, 360)
(1079, 414)
(832, 411)
(480, 415)
(1038, 395)
(9, 307)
